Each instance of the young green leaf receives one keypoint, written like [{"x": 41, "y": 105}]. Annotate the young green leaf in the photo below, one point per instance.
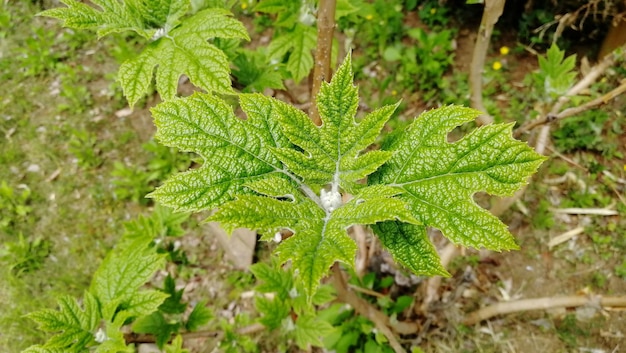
[
  {"x": 75, "y": 328},
  {"x": 556, "y": 73},
  {"x": 115, "y": 16},
  {"x": 184, "y": 50},
  {"x": 299, "y": 43},
  {"x": 157, "y": 325},
  {"x": 309, "y": 331},
  {"x": 273, "y": 279},
  {"x": 176, "y": 346},
  {"x": 118, "y": 279},
  {"x": 273, "y": 311},
  {"x": 199, "y": 316},
  {"x": 333, "y": 152},
  {"x": 438, "y": 178}
]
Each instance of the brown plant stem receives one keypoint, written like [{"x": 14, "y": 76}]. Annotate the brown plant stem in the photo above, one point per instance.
[
  {"x": 543, "y": 304},
  {"x": 322, "y": 73},
  {"x": 492, "y": 12},
  {"x": 321, "y": 68}
]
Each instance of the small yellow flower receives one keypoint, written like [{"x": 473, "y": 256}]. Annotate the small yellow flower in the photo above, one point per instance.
[
  {"x": 625, "y": 167},
  {"x": 369, "y": 17},
  {"x": 433, "y": 11},
  {"x": 504, "y": 50},
  {"x": 394, "y": 93},
  {"x": 244, "y": 6},
  {"x": 496, "y": 65}
]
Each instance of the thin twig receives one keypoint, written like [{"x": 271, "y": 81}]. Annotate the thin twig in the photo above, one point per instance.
[
  {"x": 321, "y": 69},
  {"x": 573, "y": 110},
  {"x": 491, "y": 14},
  {"x": 542, "y": 304}
]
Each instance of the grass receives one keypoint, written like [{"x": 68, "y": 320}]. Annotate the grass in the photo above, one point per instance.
[{"x": 58, "y": 136}]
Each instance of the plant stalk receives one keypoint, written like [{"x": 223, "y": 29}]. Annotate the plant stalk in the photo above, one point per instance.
[
  {"x": 322, "y": 73},
  {"x": 321, "y": 68},
  {"x": 491, "y": 14}
]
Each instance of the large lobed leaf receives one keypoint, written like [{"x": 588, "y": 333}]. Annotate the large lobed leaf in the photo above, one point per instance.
[
  {"x": 439, "y": 179},
  {"x": 265, "y": 173},
  {"x": 113, "y": 16},
  {"x": 235, "y": 152}
]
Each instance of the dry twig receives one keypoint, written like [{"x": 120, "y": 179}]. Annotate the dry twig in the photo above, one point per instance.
[{"x": 542, "y": 304}]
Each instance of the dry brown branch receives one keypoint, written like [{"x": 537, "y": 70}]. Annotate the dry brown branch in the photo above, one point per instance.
[
  {"x": 543, "y": 304},
  {"x": 321, "y": 68},
  {"x": 491, "y": 14},
  {"x": 573, "y": 110}
]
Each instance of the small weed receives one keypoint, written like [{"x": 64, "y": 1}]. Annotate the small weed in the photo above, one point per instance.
[
  {"x": 569, "y": 332},
  {"x": 621, "y": 270},
  {"x": 423, "y": 64},
  {"x": 433, "y": 14},
  {"x": 24, "y": 255},
  {"x": 599, "y": 280},
  {"x": 542, "y": 217},
  {"x": 353, "y": 332},
  {"x": 14, "y": 206},
  {"x": 83, "y": 146}
]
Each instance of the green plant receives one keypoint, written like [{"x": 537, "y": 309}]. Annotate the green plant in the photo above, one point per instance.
[
  {"x": 621, "y": 270},
  {"x": 24, "y": 255},
  {"x": 84, "y": 146},
  {"x": 277, "y": 172},
  {"x": 176, "y": 47},
  {"x": 13, "y": 205},
  {"x": 556, "y": 74},
  {"x": 353, "y": 333},
  {"x": 288, "y": 308},
  {"x": 424, "y": 63},
  {"x": 433, "y": 14},
  {"x": 258, "y": 178}
]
